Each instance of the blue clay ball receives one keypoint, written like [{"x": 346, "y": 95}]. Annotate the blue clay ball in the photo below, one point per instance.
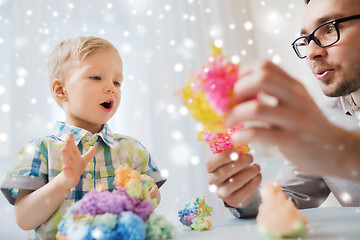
[
  {"x": 81, "y": 233},
  {"x": 131, "y": 226},
  {"x": 105, "y": 233}
]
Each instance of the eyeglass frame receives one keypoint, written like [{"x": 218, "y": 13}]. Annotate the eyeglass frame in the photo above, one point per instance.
[{"x": 311, "y": 36}]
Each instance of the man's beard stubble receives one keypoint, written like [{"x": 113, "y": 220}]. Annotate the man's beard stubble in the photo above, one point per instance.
[{"x": 350, "y": 83}]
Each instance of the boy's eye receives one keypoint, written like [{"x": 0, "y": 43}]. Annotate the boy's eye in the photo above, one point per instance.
[
  {"x": 96, "y": 78},
  {"x": 117, "y": 84}
]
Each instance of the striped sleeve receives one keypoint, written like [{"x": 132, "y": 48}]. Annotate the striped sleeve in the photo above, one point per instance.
[{"x": 30, "y": 171}]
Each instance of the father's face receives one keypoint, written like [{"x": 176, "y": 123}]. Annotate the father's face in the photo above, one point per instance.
[{"x": 338, "y": 66}]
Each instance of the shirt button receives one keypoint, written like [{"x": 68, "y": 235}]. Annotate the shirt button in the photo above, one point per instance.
[{"x": 88, "y": 176}]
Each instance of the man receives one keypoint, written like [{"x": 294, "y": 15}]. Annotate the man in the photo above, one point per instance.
[{"x": 296, "y": 125}]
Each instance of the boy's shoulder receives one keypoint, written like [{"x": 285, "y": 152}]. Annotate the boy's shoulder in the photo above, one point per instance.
[
  {"x": 43, "y": 141},
  {"x": 121, "y": 138},
  {"x": 45, "y": 138},
  {"x": 39, "y": 146}
]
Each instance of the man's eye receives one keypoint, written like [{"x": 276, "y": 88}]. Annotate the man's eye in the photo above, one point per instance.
[
  {"x": 330, "y": 29},
  {"x": 96, "y": 78}
]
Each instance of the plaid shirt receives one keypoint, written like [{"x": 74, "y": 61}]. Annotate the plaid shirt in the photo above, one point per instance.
[{"x": 39, "y": 162}]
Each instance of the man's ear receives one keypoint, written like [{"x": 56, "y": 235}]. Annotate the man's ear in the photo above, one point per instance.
[{"x": 58, "y": 90}]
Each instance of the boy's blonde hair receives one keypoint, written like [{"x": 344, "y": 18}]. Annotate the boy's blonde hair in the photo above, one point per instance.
[{"x": 69, "y": 51}]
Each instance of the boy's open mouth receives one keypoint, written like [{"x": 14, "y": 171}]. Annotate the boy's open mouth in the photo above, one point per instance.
[{"x": 107, "y": 104}]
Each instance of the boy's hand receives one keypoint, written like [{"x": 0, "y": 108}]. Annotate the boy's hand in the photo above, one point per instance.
[
  {"x": 74, "y": 163},
  {"x": 155, "y": 194}
]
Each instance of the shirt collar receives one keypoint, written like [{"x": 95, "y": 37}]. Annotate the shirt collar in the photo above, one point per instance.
[
  {"x": 61, "y": 130},
  {"x": 349, "y": 105}
]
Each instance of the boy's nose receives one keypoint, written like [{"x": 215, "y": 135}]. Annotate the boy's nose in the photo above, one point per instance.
[{"x": 109, "y": 88}]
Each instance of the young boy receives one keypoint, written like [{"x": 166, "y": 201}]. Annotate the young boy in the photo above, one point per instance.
[{"x": 54, "y": 171}]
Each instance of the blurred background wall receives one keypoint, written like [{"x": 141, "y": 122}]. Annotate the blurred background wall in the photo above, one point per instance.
[{"x": 161, "y": 43}]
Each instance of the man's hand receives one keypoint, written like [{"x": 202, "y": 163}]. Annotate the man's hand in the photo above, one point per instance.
[
  {"x": 235, "y": 180},
  {"x": 296, "y": 126},
  {"x": 73, "y": 163}
]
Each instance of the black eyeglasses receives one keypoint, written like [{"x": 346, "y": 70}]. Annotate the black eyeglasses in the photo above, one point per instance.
[{"x": 324, "y": 35}]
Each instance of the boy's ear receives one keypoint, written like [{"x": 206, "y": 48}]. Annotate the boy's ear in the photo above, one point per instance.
[{"x": 58, "y": 90}]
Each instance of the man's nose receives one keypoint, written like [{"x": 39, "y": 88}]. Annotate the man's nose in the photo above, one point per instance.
[{"x": 315, "y": 51}]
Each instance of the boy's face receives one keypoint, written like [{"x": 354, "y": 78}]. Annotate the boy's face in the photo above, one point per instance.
[
  {"x": 336, "y": 67},
  {"x": 93, "y": 90}
]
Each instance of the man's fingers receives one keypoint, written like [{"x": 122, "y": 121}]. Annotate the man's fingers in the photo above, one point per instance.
[
  {"x": 268, "y": 136},
  {"x": 238, "y": 181},
  {"x": 243, "y": 196},
  {"x": 269, "y": 78},
  {"x": 226, "y": 171},
  {"x": 254, "y": 110},
  {"x": 219, "y": 159}
]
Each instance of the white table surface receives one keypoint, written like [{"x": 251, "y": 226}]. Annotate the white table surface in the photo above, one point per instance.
[{"x": 323, "y": 224}]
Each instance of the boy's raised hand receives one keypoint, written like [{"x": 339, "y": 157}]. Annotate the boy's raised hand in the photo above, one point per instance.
[{"x": 74, "y": 163}]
